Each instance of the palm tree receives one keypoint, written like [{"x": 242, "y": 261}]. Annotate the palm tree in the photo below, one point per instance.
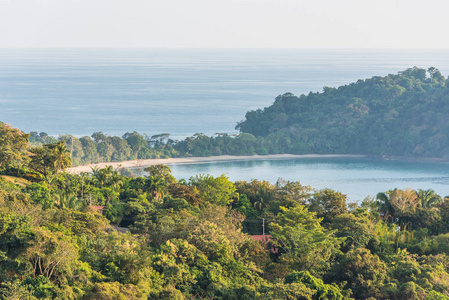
[
  {"x": 258, "y": 205},
  {"x": 104, "y": 175},
  {"x": 157, "y": 186},
  {"x": 428, "y": 197},
  {"x": 384, "y": 203},
  {"x": 261, "y": 194},
  {"x": 398, "y": 204},
  {"x": 109, "y": 194},
  {"x": 68, "y": 201},
  {"x": 61, "y": 156},
  {"x": 116, "y": 181},
  {"x": 75, "y": 203}
]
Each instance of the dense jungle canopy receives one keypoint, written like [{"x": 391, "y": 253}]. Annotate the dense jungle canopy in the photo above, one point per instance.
[
  {"x": 399, "y": 115},
  {"x": 104, "y": 235}
]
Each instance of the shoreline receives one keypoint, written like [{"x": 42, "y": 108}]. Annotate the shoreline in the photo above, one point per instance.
[{"x": 142, "y": 163}]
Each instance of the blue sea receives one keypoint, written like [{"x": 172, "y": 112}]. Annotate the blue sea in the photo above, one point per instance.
[
  {"x": 188, "y": 91},
  {"x": 356, "y": 177},
  {"x": 176, "y": 91}
]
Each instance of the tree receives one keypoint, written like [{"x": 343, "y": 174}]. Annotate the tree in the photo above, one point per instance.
[
  {"x": 158, "y": 139},
  {"x": 50, "y": 158},
  {"x": 52, "y": 254},
  {"x": 99, "y": 137},
  {"x": 41, "y": 194},
  {"x": 75, "y": 147},
  {"x": 259, "y": 193},
  {"x": 89, "y": 150},
  {"x": 116, "y": 181},
  {"x": 291, "y": 193},
  {"x": 13, "y": 147},
  {"x": 217, "y": 190},
  {"x": 136, "y": 142},
  {"x": 356, "y": 229},
  {"x": 321, "y": 290},
  {"x": 61, "y": 156},
  {"x": 162, "y": 171},
  {"x": 103, "y": 175},
  {"x": 384, "y": 205},
  {"x": 186, "y": 192},
  {"x": 16, "y": 236},
  {"x": 428, "y": 198},
  {"x": 399, "y": 205},
  {"x": 364, "y": 273},
  {"x": 328, "y": 204},
  {"x": 305, "y": 244},
  {"x": 156, "y": 186}
]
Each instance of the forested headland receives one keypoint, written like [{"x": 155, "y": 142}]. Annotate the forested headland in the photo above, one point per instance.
[
  {"x": 395, "y": 115},
  {"x": 402, "y": 115},
  {"x": 61, "y": 235}
]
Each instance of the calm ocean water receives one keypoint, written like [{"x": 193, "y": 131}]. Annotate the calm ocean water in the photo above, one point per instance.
[
  {"x": 356, "y": 177},
  {"x": 183, "y": 92}
]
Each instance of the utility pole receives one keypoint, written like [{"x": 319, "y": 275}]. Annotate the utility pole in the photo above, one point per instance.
[
  {"x": 71, "y": 149},
  {"x": 263, "y": 226}
]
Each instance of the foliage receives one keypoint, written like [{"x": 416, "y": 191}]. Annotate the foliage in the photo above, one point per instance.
[
  {"x": 356, "y": 228},
  {"x": 303, "y": 242},
  {"x": 328, "y": 204},
  {"x": 13, "y": 147},
  {"x": 400, "y": 115},
  {"x": 217, "y": 190},
  {"x": 102, "y": 235},
  {"x": 364, "y": 273},
  {"x": 321, "y": 290}
]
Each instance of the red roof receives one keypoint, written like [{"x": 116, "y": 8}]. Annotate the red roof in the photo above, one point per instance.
[
  {"x": 265, "y": 239},
  {"x": 262, "y": 238},
  {"x": 95, "y": 207}
]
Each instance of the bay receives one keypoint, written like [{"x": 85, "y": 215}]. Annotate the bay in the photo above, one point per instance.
[
  {"x": 185, "y": 91},
  {"x": 179, "y": 91},
  {"x": 356, "y": 177}
]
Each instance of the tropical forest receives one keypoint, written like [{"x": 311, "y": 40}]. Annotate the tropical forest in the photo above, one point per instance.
[{"x": 121, "y": 234}]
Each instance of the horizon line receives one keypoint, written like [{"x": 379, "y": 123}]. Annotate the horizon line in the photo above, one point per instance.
[{"x": 225, "y": 48}]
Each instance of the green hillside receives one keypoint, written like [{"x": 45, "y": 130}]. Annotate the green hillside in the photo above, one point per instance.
[{"x": 401, "y": 115}]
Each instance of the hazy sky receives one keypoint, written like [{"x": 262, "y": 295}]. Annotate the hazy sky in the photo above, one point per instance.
[{"x": 225, "y": 23}]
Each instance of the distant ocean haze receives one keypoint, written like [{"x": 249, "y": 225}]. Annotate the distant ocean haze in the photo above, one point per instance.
[{"x": 182, "y": 91}]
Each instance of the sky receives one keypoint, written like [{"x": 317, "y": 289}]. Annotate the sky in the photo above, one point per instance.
[{"x": 224, "y": 24}]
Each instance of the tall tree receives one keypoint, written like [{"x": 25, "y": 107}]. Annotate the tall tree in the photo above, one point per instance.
[
  {"x": 428, "y": 198},
  {"x": 305, "y": 244},
  {"x": 103, "y": 176},
  {"x": 218, "y": 190},
  {"x": 157, "y": 186},
  {"x": 13, "y": 147},
  {"x": 50, "y": 159},
  {"x": 328, "y": 204},
  {"x": 61, "y": 156}
]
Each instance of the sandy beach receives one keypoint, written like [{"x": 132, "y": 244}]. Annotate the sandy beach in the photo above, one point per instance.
[{"x": 142, "y": 163}]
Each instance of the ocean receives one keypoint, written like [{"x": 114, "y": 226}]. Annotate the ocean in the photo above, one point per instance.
[
  {"x": 188, "y": 91},
  {"x": 357, "y": 178},
  {"x": 176, "y": 91}
]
